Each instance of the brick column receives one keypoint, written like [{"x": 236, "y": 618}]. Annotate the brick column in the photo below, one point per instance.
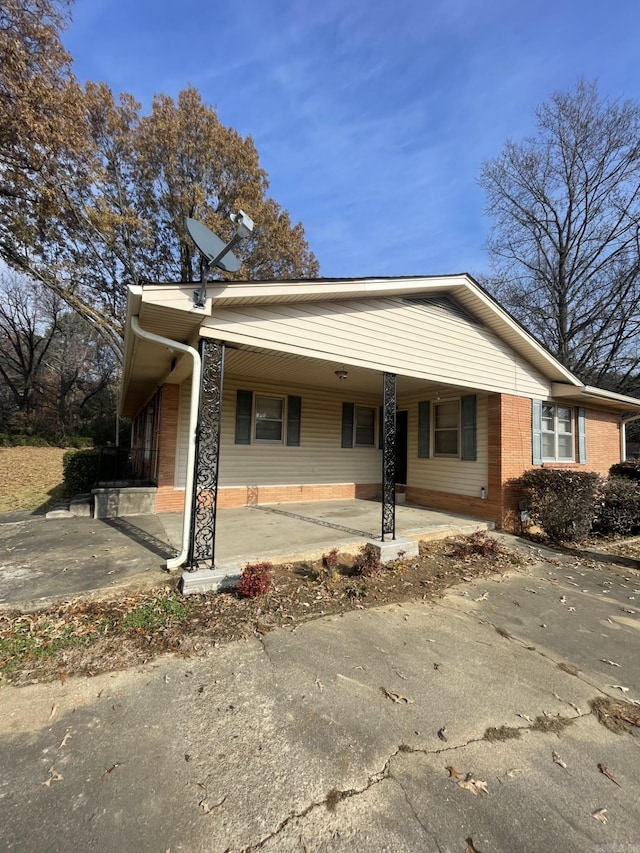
[{"x": 510, "y": 455}]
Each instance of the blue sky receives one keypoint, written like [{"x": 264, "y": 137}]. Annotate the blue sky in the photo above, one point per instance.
[{"x": 371, "y": 118}]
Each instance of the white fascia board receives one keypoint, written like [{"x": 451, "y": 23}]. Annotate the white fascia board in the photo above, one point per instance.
[
  {"x": 134, "y": 301},
  {"x": 589, "y": 393}
]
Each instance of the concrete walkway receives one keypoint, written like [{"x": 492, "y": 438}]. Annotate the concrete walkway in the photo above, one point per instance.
[
  {"x": 42, "y": 559},
  {"x": 287, "y": 742}
]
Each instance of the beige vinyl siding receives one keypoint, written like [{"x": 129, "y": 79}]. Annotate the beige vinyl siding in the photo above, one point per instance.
[
  {"x": 319, "y": 459},
  {"x": 445, "y": 474},
  {"x": 385, "y": 334},
  {"x": 183, "y": 433}
]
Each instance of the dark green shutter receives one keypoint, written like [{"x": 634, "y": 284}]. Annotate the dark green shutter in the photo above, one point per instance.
[
  {"x": 244, "y": 404},
  {"x": 347, "y": 424},
  {"x": 424, "y": 429},
  {"x": 582, "y": 436},
  {"x": 469, "y": 429},
  {"x": 537, "y": 431},
  {"x": 294, "y": 405}
]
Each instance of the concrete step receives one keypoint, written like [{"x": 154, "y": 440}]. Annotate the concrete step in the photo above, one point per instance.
[{"x": 80, "y": 506}]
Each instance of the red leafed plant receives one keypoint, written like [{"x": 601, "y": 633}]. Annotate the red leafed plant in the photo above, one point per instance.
[{"x": 256, "y": 580}]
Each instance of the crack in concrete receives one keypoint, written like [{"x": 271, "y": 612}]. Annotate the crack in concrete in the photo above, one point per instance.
[
  {"x": 375, "y": 779},
  {"x": 413, "y": 811},
  {"x": 581, "y": 676}
]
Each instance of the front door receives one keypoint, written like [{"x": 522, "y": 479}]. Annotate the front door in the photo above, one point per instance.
[{"x": 402, "y": 433}]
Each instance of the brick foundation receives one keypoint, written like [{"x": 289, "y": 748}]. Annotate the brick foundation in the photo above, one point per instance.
[
  {"x": 169, "y": 499},
  {"x": 447, "y": 502}
]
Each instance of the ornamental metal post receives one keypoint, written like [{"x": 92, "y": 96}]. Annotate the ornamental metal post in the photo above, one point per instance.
[
  {"x": 205, "y": 481},
  {"x": 388, "y": 456}
]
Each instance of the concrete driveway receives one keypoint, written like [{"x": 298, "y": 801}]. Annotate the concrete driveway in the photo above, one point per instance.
[{"x": 294, "y": 741}]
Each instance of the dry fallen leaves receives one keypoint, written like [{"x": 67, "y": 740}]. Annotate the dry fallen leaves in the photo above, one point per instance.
[
  {"x": 600, "y": 814},
  {"x": 473, "y": 785},
  {"x": 453, "y": 773},
  {"x": 442, "y": 733},
  {"x": 605, "y": 772},
  {"x": 53, "y": 777},
  {"x": 470, "y": 848},
  {"x": 396, "y": 697},
  {"x": 558, "y": 760},
  {"x": 207, "y": 809},
  {"x": 109, "y": 770}
]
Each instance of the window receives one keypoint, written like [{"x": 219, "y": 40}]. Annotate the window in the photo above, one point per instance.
[
  {"x": 365, "y": 426},
  {"x": 268, "y": 419},
  {"x": 358, "y": 426},
  {"x": 263, "y": 419},
  {"x": 557, "y": 431},
  {"x": 446, "y": 421},
  {"x": 148, "y": 430}
]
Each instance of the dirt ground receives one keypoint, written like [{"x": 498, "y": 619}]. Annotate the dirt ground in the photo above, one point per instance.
[{"x": 30, "y": 477}]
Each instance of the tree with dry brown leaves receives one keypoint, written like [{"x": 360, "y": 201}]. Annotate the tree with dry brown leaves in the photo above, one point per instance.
[{"x": 93, "y": 195}]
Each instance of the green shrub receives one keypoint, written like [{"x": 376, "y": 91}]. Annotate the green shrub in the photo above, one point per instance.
[
  {"x": 80, "y": 442},
  {"x": 619, "y": 511},
  {"x": 80, "y": 470},
  {"x": 562, "y": 502},
  {"x": 629, "y": 470},
  {"x": 16, "y": 440}
]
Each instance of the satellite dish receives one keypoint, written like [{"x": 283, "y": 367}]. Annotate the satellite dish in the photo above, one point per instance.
[
  {"x": 212, "y": 246},
  {"x": 216, "y": 253}
]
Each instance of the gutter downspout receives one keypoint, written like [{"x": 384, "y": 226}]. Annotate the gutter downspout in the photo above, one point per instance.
[
  {"x": 181, "y": 558},
  {"x": 623, "y": 435}
]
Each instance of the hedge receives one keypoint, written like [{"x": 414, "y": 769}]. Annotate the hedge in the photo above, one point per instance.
[{"x": 562, "y": 502}]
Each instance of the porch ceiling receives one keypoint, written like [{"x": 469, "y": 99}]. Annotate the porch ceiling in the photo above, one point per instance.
[{"x": 295, "y": 370}]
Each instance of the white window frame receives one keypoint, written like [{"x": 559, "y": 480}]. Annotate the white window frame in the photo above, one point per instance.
[
  {"x": 435, "y": 429},
  {"x": 371, "y": 409},
  {"x": 254, "y": 419},
  {"x": 556, "y": 433}
]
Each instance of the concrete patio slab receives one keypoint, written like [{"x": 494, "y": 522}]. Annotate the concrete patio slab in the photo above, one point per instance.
[{"x": 43, "y": 559}]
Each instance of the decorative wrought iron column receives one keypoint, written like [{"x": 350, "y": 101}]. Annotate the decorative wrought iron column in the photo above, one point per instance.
[
  {"x": 388, "y": 456},
  {"x": 205, "y": 481}
]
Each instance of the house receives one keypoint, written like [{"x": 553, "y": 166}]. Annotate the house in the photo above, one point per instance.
[{"x": 317, "y": 390}]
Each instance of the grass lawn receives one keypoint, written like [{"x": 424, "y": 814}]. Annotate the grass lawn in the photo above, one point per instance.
[{"x": 30, "y": 477}]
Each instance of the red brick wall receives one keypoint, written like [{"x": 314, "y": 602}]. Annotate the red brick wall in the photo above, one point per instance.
[
  {"x": 510, "y": 428},
  {"x": 168, "y": 499},
  {"x": 603, "y": 441}
]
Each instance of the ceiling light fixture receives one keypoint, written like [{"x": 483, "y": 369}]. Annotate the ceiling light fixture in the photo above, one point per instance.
[{"x": 342, "y": 374}]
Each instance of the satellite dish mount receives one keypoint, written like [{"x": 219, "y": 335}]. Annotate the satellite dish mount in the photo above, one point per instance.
[{"x": 213, "y": 250}]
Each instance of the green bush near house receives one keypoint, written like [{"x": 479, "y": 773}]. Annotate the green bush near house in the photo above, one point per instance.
[
  {"x": 80, "y": 470},
  {"x": 619, "y": 510},
  {"x": 563, "y": 503},
  {"x": 629, "y": 470}
]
